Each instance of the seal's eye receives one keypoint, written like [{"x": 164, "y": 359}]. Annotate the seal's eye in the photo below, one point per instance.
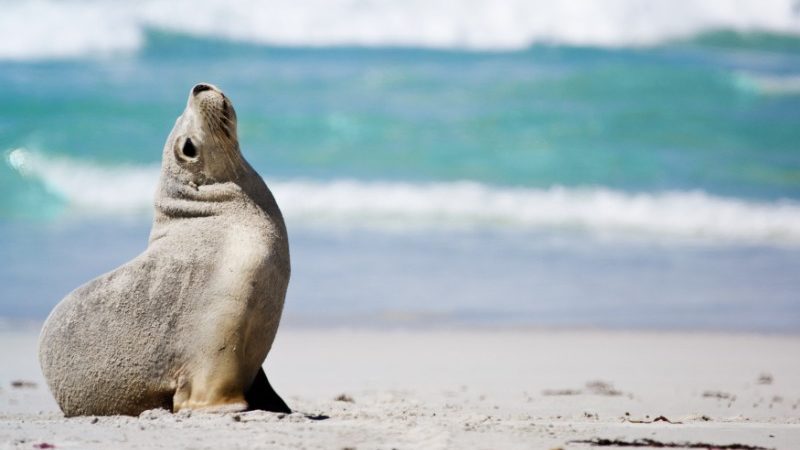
[{"x": 189, "y": 150}]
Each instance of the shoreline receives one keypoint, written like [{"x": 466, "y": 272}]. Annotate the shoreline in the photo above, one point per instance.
[{"x": 293, "y": 324}]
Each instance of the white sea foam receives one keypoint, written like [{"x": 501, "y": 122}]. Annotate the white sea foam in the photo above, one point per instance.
[
  {"x": 88, "y": 188},
  {"x": 95, "y": 190},
  {"x": 55, "y": 28}
]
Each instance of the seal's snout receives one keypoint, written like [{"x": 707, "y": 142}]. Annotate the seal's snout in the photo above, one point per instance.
[
  {"x": 209, "y": 106},
  {"x": 198, "y": 88}
]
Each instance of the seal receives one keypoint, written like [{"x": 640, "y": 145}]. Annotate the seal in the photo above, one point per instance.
[{"x": 188, "y": 323}]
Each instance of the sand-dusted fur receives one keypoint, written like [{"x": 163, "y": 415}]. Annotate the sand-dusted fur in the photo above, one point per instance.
[{"x": 189, "y": 322}]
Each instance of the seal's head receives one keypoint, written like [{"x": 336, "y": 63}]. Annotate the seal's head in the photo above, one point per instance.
[{"x": 203, "y": 147}]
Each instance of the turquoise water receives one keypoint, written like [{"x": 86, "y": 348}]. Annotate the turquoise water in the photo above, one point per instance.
[
  {"x": 677, "y": 163},
  {"x": 723, "y": 119}
]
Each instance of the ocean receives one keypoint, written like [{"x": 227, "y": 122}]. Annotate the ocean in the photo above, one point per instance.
[{"x": 619, "y": 164}]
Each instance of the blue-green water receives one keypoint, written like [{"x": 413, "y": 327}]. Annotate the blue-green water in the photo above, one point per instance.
[
  {"x": 671, "y": 168},
  {"x": 723, "y": 119}
]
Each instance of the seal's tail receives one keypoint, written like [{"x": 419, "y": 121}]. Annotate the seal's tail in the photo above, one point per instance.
[{"x": 262, "y": 396}]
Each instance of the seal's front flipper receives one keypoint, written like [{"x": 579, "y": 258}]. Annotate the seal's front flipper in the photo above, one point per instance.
[{"x": 262, "y": 396}]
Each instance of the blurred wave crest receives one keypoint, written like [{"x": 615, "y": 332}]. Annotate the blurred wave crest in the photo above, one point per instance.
[
  {"x": 92, "y": 190},
  {"x": 89, "y": 27}
]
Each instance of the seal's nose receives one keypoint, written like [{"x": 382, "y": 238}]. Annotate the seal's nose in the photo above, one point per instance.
[{"x": 200, "y": 88}]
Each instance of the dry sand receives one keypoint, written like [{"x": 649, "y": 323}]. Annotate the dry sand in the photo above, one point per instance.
[{"x": 537, "y": 389}]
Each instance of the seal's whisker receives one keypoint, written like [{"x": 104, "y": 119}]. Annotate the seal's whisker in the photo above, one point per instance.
[
  {"x": 229, "y": 162},
  {"x": 226, "y": 127}
]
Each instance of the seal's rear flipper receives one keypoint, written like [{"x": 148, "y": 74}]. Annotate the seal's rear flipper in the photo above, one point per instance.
[{"x": 262, "y": 396}]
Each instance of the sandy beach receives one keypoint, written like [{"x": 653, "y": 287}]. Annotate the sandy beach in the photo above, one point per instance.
[{"x": 462, "y": 388}]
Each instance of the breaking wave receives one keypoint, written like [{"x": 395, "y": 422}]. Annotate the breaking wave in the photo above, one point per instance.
[
  {"x": 41, "y": 29},
  {"x": 401, "y": 206}
]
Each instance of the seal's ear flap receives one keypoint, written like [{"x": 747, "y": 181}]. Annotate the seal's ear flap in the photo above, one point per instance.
[{"x": 262, "y": 396}]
